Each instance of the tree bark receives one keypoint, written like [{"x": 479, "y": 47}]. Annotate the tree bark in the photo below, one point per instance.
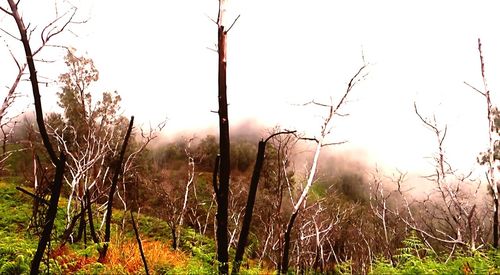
[
  {"x": 286, "y": 248},
  {"x": 174, "y": 236},
  {"x": 252, "y": 194},
  {"x": 224, "y": 148},
  {"x": 91, "y": 219},
  {"x": 51, "y": 215},
  {"x": 69, "y": 229},
  {"x": 491, "y": 150},
  {"x": 114, "y": 181},
  {"x": 495, "y": 223},
  {"x": 137, "y": 237},
  {"x": 81, "y": 226},
  {"x": 247, "y": 219}
]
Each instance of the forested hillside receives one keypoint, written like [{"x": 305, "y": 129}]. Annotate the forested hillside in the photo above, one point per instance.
[{"x": 86, "y": 189}]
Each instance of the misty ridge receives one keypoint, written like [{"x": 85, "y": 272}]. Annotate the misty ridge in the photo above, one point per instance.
[{"x": 344, "y": 170}]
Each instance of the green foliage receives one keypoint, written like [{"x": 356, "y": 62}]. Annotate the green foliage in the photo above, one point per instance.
[
  {"x": 98, "y": 268},
  {"x": 83, "y": 112},
  {"x": 251, "y": 271},
  {"x": 15, "y": 254},
  {"x": 343, "y": 268},
  {"x": 414, "y": 258},
  {"x": 152, "y": 228},
  {"x": 209, "y": 148},
  {"x": 483, "y": 157},
  {"x": 15, "y": 215},
  {"x": 14, "y": 164},
  {"x": 351, "y": 186},
  {"x": 243, "y": 154},
  {"x": 93, "y": 268},
  {"x": 318, "y": 191},
  {"x": 200, "y": 246},
  {"x": 195, "y": 266},
  {"x": 173, "y": 156},
  {"x": 17, "y": 248},
  {"x": 203, "y": 260},
  {"x": 413, "y": 249}
]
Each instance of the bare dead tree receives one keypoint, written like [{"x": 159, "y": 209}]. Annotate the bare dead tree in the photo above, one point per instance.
[
  {"x": 222, "y": 186},
  {"x": 489, "y": 158},
  {"x": 130, "y": 165},
  {"x": 252, "y": 193},
  {"x": 236, "y": 212},
  {"x": 178, "y": 220},
  {"x": 86, "y": 166},
  {"x": 109, "y": 207},
  {"x": 326, "y": 128},
  {"x": 50, "y": 30},
  {"x": 449, "y": 214},
  {"x": 321, "y": 229},
  {"x": 279, "y": 172},
  {"x": 380, "y": 202},
  {"x": 177, "y": 193}
]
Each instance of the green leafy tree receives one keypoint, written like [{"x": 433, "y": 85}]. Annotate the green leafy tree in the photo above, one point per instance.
[{"x": 89, "y": 131}]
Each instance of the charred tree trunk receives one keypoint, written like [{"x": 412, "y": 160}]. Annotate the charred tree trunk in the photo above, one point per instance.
[
  {"x": 81, "y": 226},
  {"x": 286, "y": 248},
  {"x": 59, "y": 163},
  {"x": 91, "y": 219},
  {"x": 51, "y": 215},
  {"x": 247, "y": 219},
  {"x": 252, "y": 194},
  {"x": 114, "y": 181},
  {"x": 495, "y": 223},
  {"x": 69, "y": 230},
  {"x": 174, "y": 237},
  {"x": 224, "y": 149},
  {"x": 137, "y": 237}
]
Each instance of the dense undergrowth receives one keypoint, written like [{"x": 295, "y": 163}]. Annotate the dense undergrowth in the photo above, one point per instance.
[
  {"x": 195, "y": 256},
  {"x": 415, "y": 258},
  {"x": 18, "y": 245}
]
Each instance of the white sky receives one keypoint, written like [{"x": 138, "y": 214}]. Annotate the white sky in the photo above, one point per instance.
[{"x": 284, "y": 52}]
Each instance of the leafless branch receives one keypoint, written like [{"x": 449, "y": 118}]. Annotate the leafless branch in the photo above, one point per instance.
[
  {"x": 6, "y": 11},
  {"x": 475, "y": 89},
  {"x": 234, "y": 22},
  {"x": 285, "y": 132}
]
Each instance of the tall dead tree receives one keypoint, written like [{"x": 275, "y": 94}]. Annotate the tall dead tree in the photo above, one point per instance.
[
  {"x": 489, "y": 156},
  {"x": 222, "y": 190},
  {"x": 321, "y": 141},
  {"x": 52, "y": 29}
]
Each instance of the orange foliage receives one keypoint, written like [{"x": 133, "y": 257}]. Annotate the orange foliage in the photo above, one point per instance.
[
  {"x": 126, "y": 254},
  {"x": 157, "y": 254},
  {"x": 70, "y": 259}
]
